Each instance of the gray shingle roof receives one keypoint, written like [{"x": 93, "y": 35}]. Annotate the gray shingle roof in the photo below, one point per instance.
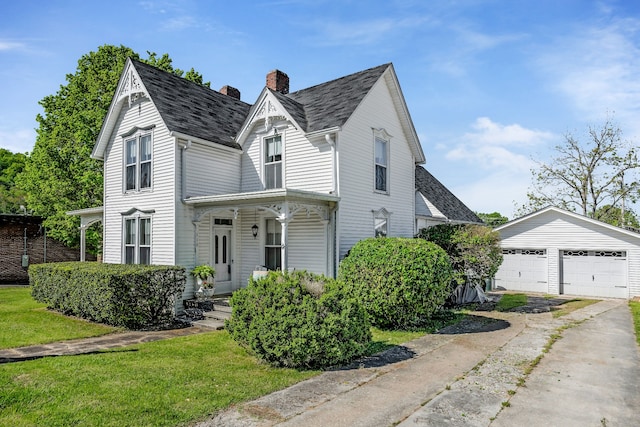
[
  {"x": 442, "y": 198},
  {"x": 331, "y": 104},
  {"x": 198, "y": 111},
  {"x": 192, "y": 109}
]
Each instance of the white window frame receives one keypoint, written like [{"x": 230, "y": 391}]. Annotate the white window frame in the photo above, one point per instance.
[
  {"x": 275, "y": 244},
  {"x": 136, "y": 243},
  {"x": 137, "y": 137},
  {"x": 381, "y": 223},
  {"x": 381, "y": 161},
  {"x": 269, "y": 164}
]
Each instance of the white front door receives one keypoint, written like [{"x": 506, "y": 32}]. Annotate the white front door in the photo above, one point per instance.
[{"x": 222, "y": 260}]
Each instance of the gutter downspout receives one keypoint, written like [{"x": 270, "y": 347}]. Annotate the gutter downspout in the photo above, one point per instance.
[
  {"x": 183, "y": 169},
  {"x": 335, "y": 189},
  {"x": 183, "y": 196}
]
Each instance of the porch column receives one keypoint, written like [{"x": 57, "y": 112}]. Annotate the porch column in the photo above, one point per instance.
[
  {"x": 284, "y": 224},
  {"x": 83, "y": 244},
  {"x": 328, "y": 251}
]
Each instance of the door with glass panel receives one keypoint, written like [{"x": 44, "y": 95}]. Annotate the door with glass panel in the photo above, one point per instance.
[{"x": 222, "y": 260}]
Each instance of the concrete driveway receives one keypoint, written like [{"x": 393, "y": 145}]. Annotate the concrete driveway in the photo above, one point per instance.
[{"x": 590, "y": 377}]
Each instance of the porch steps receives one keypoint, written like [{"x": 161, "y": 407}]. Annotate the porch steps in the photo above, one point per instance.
[{"x": 215, "y": 319}]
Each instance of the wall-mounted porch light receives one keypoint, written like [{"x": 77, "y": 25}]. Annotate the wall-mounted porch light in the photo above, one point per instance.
[{"x": 254, "y": 227}]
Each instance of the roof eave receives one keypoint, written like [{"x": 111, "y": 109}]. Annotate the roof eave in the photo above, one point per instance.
[
  {"x": 570, "y": 214},
  {"x": 408, "y": 126}
]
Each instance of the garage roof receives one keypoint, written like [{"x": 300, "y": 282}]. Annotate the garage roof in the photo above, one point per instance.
[{"x": 569, "y": 214}]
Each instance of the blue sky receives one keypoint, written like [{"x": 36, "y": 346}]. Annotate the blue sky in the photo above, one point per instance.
[{"x": 490, "y": 85}]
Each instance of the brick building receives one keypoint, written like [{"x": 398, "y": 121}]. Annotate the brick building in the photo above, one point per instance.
[{"x": 24, "y": 235}]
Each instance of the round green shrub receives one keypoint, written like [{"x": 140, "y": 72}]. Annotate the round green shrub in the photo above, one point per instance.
[
  {"x": 299, "y": 320},
  {"x": 401, "y": 282}
]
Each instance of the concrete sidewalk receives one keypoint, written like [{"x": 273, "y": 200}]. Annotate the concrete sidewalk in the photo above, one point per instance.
[{"x": 454, "y": 380}]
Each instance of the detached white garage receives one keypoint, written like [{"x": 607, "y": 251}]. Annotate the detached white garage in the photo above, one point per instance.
[{"x": 560, "y": 252}]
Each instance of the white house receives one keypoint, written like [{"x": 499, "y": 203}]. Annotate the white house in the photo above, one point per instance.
[
  {"x": 560, "y": 252},
  {"x": 195, "y": 176}
]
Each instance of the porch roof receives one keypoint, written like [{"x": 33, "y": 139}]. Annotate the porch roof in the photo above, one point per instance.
[{"x": 259, "y": 197}]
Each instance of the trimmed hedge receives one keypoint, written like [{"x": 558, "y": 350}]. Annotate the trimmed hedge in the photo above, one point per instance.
[
  {"x": 299, "y": 320},
  {"x": 401, "y": 282},
  {"x": 133, "y": 296}
]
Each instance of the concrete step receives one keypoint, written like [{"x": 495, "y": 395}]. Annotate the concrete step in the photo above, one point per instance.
[
  {"x": 210, "y": 323},
  {"x": 221, "y": 307},
  {"x": 217, "y": 315}
]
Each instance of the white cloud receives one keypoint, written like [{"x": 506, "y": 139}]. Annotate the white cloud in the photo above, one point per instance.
[
  {"x": 9, "y": 45},
  {"x": 18, "y": 140},
  {"x": 499, "y": 191},
  {"x": 180, "y": 23},
  {"x": 492, "y": 145},
  {"x": 494, "y": 163},
  {"x": 340, "y": 33}
]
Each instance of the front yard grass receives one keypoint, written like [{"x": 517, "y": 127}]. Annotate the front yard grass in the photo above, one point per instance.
[
  {"x": 24, "y": 322},
  {"x": 509, "y": 301},
  {"x": 635, "y": 312},
  {"x": 165, "y": 383},
  {"x": 571, "y": 305}
]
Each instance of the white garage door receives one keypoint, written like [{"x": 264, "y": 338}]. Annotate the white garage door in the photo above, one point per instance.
[
  {"x": 523, "y": 270},
  {"x": 594, "y": 273}
]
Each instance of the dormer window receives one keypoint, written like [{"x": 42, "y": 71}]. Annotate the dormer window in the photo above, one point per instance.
[
  {"x": 138, "y": 154},
  {"x": 273, "y": 162}
]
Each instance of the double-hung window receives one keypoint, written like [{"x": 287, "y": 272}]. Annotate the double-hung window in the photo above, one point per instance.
[
  {"x": 273, "y": 162},
  {"x": 138, "y": 154},
  {"x": 137, "y": 240},
  {"x": 273, "y": 245},
  {"x": 381, "y": 164}
]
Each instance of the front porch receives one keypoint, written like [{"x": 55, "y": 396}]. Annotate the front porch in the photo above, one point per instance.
[{"x": 274, "y": 230}]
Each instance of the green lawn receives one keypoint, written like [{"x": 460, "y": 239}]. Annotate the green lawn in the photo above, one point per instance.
[
  {"x": 635, "y": 311},
  {"x": 509, "y": 301},
  {"x": 571, "y": 305},
  {"x": 23, "y": 322},
  {"x": 165, "y": 383}
]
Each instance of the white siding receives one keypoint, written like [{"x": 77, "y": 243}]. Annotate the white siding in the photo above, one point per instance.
[
  {"x": 356, "y": 169},
  {"x": 307, "y": 165},
  {"x": 161, "y": 198},
  {"x": 553, "y": 257},
  {"x": 251, "y": 164},
  {"x": 307, "y": 244},
  {"x": 557, "y": 232},
  {"x": 212, "y": 171},
  {"x": 250, "y": 252}
]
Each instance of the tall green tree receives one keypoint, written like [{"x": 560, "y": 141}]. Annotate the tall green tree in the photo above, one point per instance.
[
  {"x": 59, "y": 175},
  {"x": 586, "y": 175},
  {"x": 617, "y": 216},
  {"x": 11, "y": 197},
  {"x": 492, "y": 219}
]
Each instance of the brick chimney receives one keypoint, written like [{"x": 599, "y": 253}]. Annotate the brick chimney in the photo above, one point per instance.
[
  {"x": 278, "y": 81},
  {"x": 230, "y": 91}
]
